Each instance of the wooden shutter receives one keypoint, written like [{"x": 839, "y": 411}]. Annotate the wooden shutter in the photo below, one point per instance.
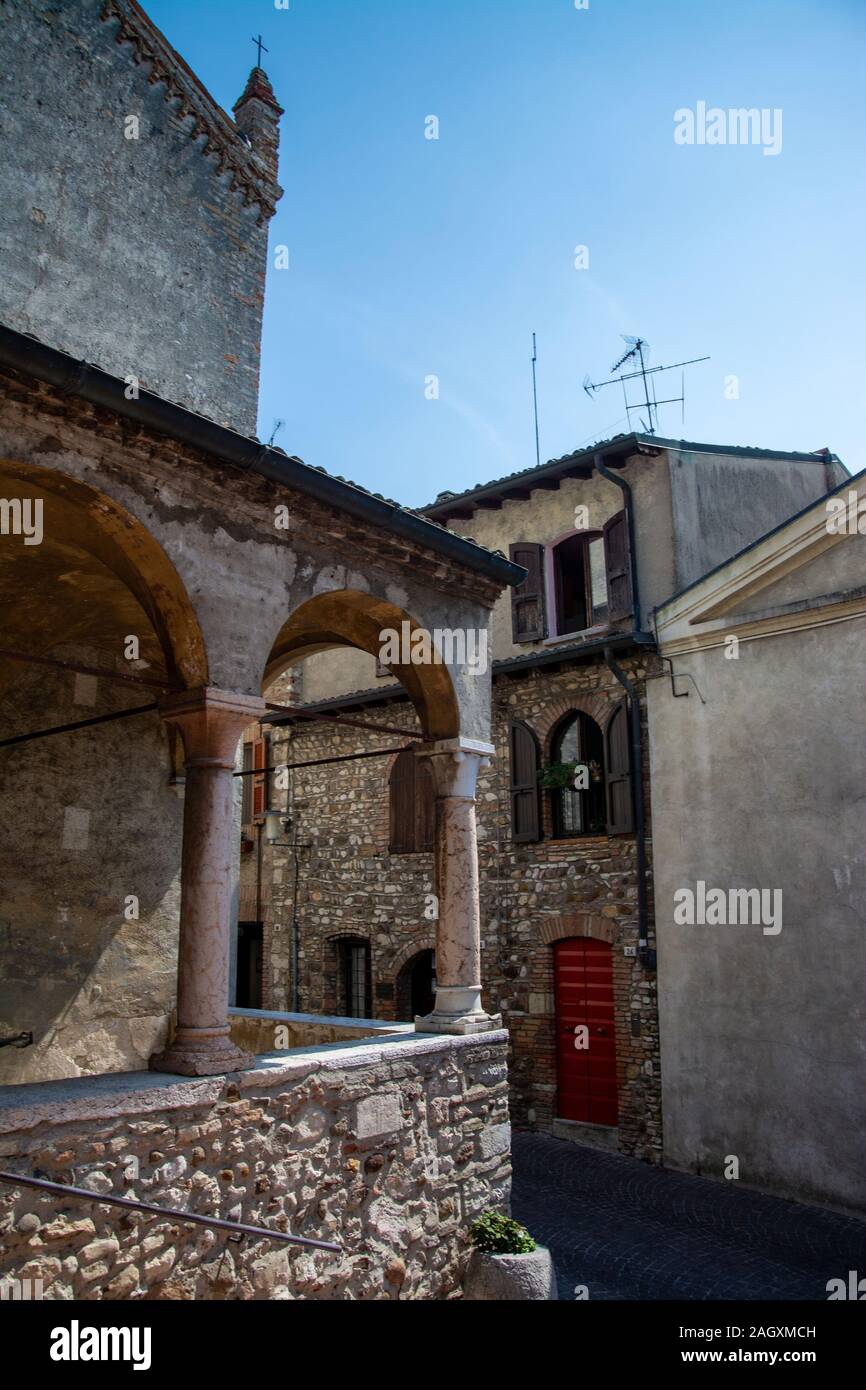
[
  {"x": 402, "y": 797},
  {"x": 617, "y": 567},
  {"x": 247, "y": 802},
  {"x": 525, "y": 820},
  {"x": 620, "y": 820},
  {"x": 425, "y": 804},
  {"x": 528, "y": 620},
  {"x": 260, "y": 778}
]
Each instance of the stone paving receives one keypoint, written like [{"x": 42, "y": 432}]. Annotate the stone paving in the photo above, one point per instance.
[{"x": 629, "y": 1230}]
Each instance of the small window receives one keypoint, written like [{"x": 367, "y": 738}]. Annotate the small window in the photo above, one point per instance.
[
  {"x": 412, "y": 804},
  {"x": 581, "y": 810},
  {"x": 355, "y": 978},
  {"x": 580, "y": 583}
]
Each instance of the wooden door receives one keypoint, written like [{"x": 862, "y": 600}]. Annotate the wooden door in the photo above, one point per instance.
[{"x": 585, "y": 1031}]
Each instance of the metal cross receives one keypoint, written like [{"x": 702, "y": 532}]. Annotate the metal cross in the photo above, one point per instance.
[{"x": 260, "y": 46}]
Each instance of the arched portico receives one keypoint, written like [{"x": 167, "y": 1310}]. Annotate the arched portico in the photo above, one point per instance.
[{"x": 350, "y": 617}]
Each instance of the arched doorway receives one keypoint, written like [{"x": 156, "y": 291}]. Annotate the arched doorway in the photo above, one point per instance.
[
  {"x": 416, "y": 986},
  {"x": 585, "y": 1031}
]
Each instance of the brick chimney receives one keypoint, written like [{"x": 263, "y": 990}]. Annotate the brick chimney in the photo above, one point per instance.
[{"x": 257, "y": 113}]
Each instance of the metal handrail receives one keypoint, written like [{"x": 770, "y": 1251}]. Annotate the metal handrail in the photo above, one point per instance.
[{"x": 131, "y": 1204}]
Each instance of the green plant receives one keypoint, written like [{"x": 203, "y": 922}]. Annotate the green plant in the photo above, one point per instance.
[
  {"x": 496, "y": 1234},
  {"x": 553, "y": 777}
]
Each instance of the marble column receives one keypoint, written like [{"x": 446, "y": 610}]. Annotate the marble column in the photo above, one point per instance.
[
  {"x": 211, "y": 723},
  {"x": 456, "y": 764}
]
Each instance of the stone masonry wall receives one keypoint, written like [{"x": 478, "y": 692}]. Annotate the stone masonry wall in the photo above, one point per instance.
[
  {"x": 389, "y": 1150},
  {"x": 141, "y": 255},
  {"x": 349, "y": 884}
]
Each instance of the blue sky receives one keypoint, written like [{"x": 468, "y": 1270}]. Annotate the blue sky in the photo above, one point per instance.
[{"x": 411, "y": 258}]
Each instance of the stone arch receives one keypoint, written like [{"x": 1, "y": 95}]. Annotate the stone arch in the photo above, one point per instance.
[
  {"x": 599, "y": 706},
  {"x": 577, "y": 924},
  {"x": 97, "y": 575},
  {"x": 351, "y": 618},
  {"x": 403, "y": 981},
  {"x": 424, "y": 942}
]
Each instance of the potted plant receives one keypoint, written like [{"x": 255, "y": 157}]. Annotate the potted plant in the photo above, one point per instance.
[
  {"x": 554, "y": 777},
  {"x": 506, "y": 1265}
]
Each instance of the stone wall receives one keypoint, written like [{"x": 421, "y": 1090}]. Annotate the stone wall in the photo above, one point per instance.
[
  {"x": 261, "y": 1030},
  {"x": 389, "y": 1150},
  {"x": 350, "y": 885},
  {"x": 146, "y": 256}
]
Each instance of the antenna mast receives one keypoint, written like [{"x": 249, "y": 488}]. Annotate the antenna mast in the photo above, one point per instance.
[
  {"x": 638, "y": 352},
  {"x": 535, "y": 403}
]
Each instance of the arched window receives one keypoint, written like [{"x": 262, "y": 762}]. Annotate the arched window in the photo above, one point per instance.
[
  {"x": 578, "y": 750},
  {"x": 412, "y": 804},
  {"x": 354, "y": 991}
]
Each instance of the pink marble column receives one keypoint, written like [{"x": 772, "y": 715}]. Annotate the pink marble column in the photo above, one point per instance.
[
  {"x": 211, "y": 723},
  {"x": 456, "y": 763}
]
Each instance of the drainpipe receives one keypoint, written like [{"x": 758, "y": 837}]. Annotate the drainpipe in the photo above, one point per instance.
[
  {"x": 295, "y": 945},
  {"x": 625, "y": 489},
  {"x": 647, "y": 957}
]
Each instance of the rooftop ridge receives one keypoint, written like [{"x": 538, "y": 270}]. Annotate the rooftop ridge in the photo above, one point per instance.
[{"x": 445, "y": 500}]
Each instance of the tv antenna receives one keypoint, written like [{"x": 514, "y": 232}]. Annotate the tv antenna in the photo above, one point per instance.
[
  {"x": 535, "y": 403},
  {"x": 637, "y": 352}
]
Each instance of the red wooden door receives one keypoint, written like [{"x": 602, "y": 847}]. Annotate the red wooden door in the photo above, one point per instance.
[{"x": 586, "y": 1062}]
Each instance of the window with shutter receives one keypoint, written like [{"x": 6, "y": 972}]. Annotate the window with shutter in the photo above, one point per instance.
[
  {"x": 525, "y": 820},
  {"x": 261, "y": 777},
  {"x": 528, "y": 621},
  {"x": 618, "y": 568},
  {"x": 620, "y": 819},
  {"x": 247, "y": 799},
  {"x": 412, "y": 801},
  {"x": 579, "y": 810}
]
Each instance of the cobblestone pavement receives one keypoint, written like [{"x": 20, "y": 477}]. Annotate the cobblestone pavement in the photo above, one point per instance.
[{"x": 628, "y": 1230}]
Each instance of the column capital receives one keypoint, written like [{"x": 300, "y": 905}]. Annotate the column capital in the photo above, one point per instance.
[
  {"x": 456, "y": 763},
  {"x": 211, "y": 721}
]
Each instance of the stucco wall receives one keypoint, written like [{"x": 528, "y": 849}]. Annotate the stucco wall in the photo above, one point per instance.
[
  {"x": 137, "y": 255},
  {"x": 762, "y": 1036},
  {"x": 722, "y": 502},
  {"x": 90, "y": 819},
  {"x": 389, "y": 1150}
]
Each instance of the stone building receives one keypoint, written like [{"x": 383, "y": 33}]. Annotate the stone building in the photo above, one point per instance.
[
  {"x": 569, "y": 942},
  {"x": 160, "y": 571}
]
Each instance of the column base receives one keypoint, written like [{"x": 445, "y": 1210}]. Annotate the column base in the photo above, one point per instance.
[
  {"x": 441, "y": 1022},
  {"x": 205, "y": 1056}
]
